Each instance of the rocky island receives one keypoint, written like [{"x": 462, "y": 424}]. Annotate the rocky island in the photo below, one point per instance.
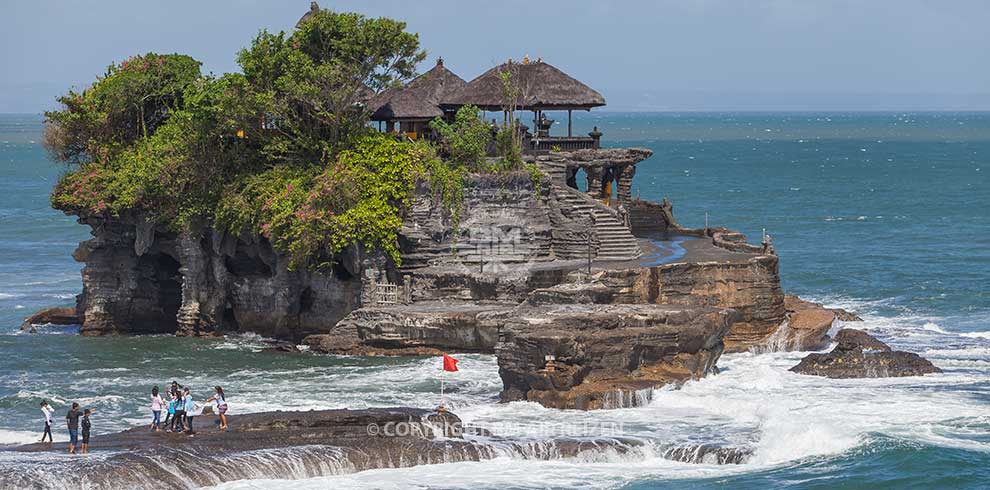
[
  {"x": 267, "y": 202},
  {"x": 438, "y": 232}
]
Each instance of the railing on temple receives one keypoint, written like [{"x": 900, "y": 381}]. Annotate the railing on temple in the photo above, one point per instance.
[{"x": 564, "y": 143}]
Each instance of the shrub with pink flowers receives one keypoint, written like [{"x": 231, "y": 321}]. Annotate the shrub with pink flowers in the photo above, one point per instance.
[{"x": 282, "y": 150}]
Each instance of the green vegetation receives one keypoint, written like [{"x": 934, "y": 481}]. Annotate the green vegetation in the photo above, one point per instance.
[
  {"x": 283, "y": 150},
  {"x": 466, "y": 139}
]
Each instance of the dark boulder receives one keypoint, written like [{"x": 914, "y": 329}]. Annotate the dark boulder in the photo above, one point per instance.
[{"x": 859, "y": 355}]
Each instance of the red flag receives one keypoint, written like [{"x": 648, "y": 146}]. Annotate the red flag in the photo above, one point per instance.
[{"x": 449, "y": 363}]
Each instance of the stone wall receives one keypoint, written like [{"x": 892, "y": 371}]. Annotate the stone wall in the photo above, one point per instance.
[
  {"x": 647, "y": 218},
  {"x": 511, "y": 229}
]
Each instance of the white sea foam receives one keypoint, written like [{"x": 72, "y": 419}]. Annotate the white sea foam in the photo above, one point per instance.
[
  {"x": 26, "y": 437},
  {"x": 755, "y": 404}
]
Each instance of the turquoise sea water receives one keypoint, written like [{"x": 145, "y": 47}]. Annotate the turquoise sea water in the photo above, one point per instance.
[{"x": 885, "y": 214}]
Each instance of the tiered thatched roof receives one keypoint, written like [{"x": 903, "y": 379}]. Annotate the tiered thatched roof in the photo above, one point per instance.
[
  {"x": 541, "y": 86},
  {"x": 419, "y": 99}
]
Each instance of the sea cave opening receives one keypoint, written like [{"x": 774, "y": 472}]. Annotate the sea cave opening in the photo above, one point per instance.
[{"x": 164, "y": 292}]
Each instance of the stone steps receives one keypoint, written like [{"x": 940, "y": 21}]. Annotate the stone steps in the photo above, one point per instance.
[{"x": 616, "y": 242}]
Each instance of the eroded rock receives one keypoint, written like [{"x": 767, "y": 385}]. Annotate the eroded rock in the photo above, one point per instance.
[
  {"x": 603, "y": 354},
  {"x": 860, "y": 355},
  {"x": 60, "y": 315},
  {"x": 416, "y": 329},
  {"x": 806, "y": 327}
]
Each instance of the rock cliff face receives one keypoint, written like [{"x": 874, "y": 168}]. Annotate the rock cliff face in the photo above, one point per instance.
[
  {"x": 603, "y": 354},
  {"x": 515, "y": 242},
  {"x": 140, "y": 278},
  {"x": 417, "y": 329},
  {"x": 750, "y": 286}
]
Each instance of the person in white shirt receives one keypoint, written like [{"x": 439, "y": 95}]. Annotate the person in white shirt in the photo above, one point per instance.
[
  {"x": 221, "y": 400},
  {"x": 156, "y": 410},
  {"x": 48, "y": 411}
]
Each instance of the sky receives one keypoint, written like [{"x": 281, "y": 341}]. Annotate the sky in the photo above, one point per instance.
[{"x": 659, "y": 55}]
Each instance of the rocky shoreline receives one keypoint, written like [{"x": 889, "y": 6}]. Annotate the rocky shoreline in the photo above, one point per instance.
[{"x": 296, "y": 445}]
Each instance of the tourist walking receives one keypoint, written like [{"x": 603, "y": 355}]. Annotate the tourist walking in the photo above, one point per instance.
[
  {"x": 48, "y": 412},
  {"x": 221, "y": 400},
  {"x": 86, "y": 426},
  {"x": 156, "y": 410},
  {"x": 190, "y": 410},
  {"x": 72, "y": 421},
  {"x": 178, "y": 421}
]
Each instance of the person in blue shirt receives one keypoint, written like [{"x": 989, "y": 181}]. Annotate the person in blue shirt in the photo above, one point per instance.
[
  {"x": 189, "y": 407},
  {"x": 178, "y": 421},
  {"x": 170, "y": 420}
]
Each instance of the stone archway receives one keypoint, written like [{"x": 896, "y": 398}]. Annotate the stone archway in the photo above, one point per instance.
[{"x": 578, "y": 178}]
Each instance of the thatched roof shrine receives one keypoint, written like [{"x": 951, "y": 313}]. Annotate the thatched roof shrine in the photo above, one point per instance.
[
  {"x": 419, "y": 99},
  {"x": 541, "y": 86}
]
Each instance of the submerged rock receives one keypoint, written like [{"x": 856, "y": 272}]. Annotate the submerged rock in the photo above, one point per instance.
[{"x": 859, "y": 355}]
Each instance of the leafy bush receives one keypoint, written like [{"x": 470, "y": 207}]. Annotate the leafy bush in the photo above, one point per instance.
[
  {"x": 129, "y": 102},
  {"x": 465, "y": 140},
  {"x": 313, "y": 213},
  {"x": 314, "y": 83}
]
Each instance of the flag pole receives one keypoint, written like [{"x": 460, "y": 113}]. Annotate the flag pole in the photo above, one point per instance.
[{"x": 441, "y": 383}]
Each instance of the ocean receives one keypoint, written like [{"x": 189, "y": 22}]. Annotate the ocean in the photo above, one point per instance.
[{"x": 885, "y": 214}]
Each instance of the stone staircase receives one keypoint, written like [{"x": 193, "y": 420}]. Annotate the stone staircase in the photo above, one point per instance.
[{"x": 615, "y": 241}]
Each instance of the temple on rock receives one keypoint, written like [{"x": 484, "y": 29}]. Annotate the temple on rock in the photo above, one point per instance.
[{"x": 584, "y": 292}]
